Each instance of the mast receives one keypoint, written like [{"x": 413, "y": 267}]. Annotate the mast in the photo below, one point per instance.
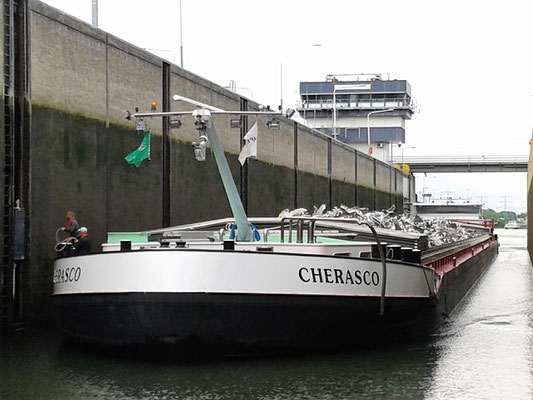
[{"x": 207, "y": 132}]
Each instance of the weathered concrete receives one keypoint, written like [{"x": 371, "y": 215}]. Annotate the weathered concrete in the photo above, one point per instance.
[
  {"x": 312, "y": 152},
  {"x": 365, "y": 170},
  {"x": 82, "y": 79},
  {"x": 530, "y": 202},
  {"x": 312, "y": 190},
  {"x": 342, "y": 161},
  {"x": 398, "y": 189},
  {"x": 270, "y": 187},
  {"x": 342, "y": 192},
  {"x": 275, "y": 147},
  {"x": 383, "y": 186}
]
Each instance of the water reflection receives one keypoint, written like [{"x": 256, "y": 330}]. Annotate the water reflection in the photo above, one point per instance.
[
  {"x": 33, "y": 370},
  {"x": 484, "y": 351}
]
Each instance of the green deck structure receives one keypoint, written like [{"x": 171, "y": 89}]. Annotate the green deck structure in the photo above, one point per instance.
[{"x": 116, "y": 237}]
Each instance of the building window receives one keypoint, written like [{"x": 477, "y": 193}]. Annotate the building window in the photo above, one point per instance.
[{"x": 356, "y": 99}]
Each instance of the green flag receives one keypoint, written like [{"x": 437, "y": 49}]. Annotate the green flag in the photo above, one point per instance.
[{"x": 141, "y": 153}]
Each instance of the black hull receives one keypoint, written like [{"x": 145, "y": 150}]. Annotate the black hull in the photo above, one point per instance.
[
  {"x": 200, "y": 323},
  {"x": 458, "y": 282},
  {"x": 239, "y": 323}
]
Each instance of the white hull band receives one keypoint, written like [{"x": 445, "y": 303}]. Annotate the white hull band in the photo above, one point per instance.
[{"x": 233, "y": 272}]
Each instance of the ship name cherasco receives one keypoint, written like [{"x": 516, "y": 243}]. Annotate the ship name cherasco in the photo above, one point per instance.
[
  {"x": 338, "y": 276},
  {"x": 69, "y": 274}
]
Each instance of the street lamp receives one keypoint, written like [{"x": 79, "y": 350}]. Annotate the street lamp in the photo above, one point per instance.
[
  {"x": 368, "y": 123},
  {"x": 95, "y": 13},
  {"x": 181, "y": 37},
  {"x": 335, "y": 88}
]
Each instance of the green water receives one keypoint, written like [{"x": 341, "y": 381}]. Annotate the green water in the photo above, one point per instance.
[{"x": 485, "y": 351}]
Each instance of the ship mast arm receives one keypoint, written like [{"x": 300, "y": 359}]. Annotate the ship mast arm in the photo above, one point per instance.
[
  {"x": 206, "y": 128},
  {"x": 244, "y": 231}
]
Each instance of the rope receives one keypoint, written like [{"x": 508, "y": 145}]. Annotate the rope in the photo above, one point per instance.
[
  {"x": 61, "y": 244},
  {"x": 383, "y": 266}
]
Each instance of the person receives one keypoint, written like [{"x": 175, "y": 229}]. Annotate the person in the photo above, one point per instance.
[
  {"x": 72, "y": 225},
  {"x": 82, "y": 245}
]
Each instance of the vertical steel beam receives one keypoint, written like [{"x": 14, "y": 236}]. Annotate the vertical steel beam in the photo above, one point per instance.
[
  {"x": 244, "y": 168},
  {"x": 375, "y": 184},
  {"x": 356, "y": 181},
  {"x": 295, "y": 166},
  {"x": 330, "y": 167},
  {"x": 165, "y": 146}
]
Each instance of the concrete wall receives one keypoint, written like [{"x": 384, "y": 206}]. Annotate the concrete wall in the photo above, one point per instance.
[
  {"x": 530, "y": 203},
  {"x": 313, "y": 172},
  {"x": 82, "y": 79},
  {"x": 271, "y": 178},
  {"x": 365, "y": 180},
  {"x": 398, "y": 176},
  {"x": 343, "y": 174}
]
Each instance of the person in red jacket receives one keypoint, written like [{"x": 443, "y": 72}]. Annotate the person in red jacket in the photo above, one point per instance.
[
  {"x": 72, "y": 225},
  {"x": 83, "y": 244}
]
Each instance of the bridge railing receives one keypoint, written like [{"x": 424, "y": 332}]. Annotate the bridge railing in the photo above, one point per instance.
[{"x": 481, "y": 159}]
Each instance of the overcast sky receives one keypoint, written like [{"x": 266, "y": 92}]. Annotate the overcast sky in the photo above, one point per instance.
[{"x": 469, "y": 63}]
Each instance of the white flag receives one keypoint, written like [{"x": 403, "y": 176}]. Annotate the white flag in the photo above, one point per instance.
[{"x": 250, "y": 147}]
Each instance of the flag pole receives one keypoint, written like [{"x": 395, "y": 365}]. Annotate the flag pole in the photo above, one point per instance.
[{"x": 149, "y": 146}]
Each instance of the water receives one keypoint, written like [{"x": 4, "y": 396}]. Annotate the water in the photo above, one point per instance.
[{"x": 483, "y": 352}]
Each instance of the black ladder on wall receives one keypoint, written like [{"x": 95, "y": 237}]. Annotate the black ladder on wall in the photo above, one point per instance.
[{"x": 6, "y": 301}]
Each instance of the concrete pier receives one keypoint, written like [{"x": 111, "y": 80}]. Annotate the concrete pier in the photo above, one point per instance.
[{"x": 66, "y": 89}]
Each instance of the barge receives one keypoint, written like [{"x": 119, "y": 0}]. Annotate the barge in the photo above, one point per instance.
[
  {"x": 316, "y": 289},
  {"x": 246, "y": 285}
]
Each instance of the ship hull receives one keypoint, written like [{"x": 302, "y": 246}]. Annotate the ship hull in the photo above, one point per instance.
[
  {"x": 306, "y": 312},
  {"x": 459, "y": 281},
  {"x": 196, "y": 323}
]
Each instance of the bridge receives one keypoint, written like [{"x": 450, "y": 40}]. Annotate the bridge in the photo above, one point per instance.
[{"x": 451, "y": 164}]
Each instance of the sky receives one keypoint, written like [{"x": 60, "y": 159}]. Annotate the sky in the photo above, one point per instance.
[{"x": 469, "y": 63}]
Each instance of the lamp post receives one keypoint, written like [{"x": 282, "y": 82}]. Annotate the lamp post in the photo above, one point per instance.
[
  {"x": 368, "y": 123},
  {"x": 95, "y": 13},
  {"x": 341, "y": 87},
  {"x": 335, "y": 87},
  {"x": 181, "y": 38}
]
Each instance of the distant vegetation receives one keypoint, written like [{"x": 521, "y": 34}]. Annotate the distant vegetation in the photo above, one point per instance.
[{"x": 502, "y": 217}]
